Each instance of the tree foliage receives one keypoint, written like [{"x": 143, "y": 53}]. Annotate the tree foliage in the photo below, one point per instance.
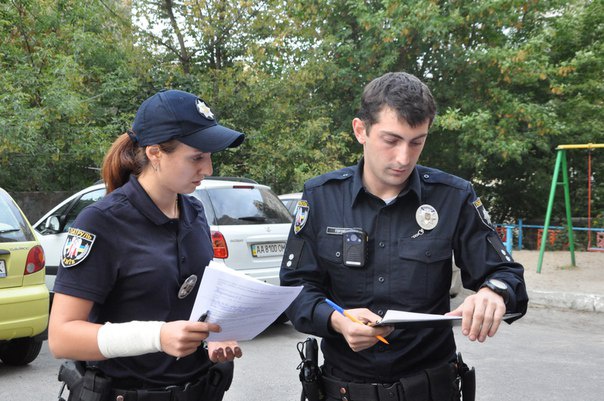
[
  {"x": 67, "y": 86},
  {"x": 513, "y": 79}
]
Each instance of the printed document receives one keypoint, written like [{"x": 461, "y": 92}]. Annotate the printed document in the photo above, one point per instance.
[
  {"x": 243, "y": 306},
  {"x": 403, "y": 319},
  {"x": 397, "y": 316}
]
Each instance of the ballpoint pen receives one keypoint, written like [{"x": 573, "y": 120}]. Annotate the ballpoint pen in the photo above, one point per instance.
[{"x": 349, "y": 316}]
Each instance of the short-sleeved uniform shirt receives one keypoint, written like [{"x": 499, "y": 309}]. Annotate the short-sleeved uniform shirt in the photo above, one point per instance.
[
  {"x": 405, "y": 268},
  {"x": 130, "y": 259}
]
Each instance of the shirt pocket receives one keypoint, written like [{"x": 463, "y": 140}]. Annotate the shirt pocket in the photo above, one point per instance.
[
  {"x": 344, "y": 281},
  {"x": 425, "y": 268}
]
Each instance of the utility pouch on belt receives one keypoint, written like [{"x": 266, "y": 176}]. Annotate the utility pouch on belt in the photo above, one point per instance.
[
  {"x": 220, "y": 377},
  {"x": 310, "y": 372},
  {"x": 83, "y": 384},
  {"x": 468, "y": 379}
]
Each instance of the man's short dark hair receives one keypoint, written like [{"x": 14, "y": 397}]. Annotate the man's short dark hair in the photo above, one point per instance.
[{"x": 402, "y": 92}]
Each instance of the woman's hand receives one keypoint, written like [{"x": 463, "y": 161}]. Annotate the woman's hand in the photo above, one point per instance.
[
  {"x": 223, "y": 351},
  {"x": 182, "y": 337}
]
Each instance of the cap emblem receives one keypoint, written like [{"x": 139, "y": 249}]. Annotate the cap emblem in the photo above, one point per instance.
[{"x": 204, "y": 109}]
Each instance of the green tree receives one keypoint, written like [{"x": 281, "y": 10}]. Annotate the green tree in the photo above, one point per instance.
[
  {"x": 239, "y": 56},
  {"x": 68, "y": 80},
  {"x": 493, "y": 67},
  {"x": 512, "y": 79}
]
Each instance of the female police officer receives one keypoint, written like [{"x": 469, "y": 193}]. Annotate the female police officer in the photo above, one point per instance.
[{"x": 133, "y": 261}]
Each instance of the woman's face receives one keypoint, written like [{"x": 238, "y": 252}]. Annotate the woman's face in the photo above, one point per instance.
[{"x": 182, "y": 170}]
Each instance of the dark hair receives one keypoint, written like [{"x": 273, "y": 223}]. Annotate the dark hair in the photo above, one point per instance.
[
  {"x": 402, "y": 92},
  {"x": 126, "y": 157}
]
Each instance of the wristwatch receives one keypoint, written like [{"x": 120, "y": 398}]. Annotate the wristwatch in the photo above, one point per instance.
[{"x": 497, "y": 286}]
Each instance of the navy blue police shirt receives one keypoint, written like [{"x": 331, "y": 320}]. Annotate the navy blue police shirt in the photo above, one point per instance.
[
  {"x": 406, "y": 268},
  {"x": 130, "y": 259}
]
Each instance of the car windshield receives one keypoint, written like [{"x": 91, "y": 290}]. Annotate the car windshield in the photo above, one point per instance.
[
  {"x": 12, "y": 225},
  {"x": 246, "y": 205}
]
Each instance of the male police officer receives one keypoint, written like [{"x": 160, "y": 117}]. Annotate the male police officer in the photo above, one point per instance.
[{"x": 380, "y": 235}]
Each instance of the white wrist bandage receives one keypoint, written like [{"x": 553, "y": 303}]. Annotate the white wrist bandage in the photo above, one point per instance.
[{"x": 129, "y": 339}]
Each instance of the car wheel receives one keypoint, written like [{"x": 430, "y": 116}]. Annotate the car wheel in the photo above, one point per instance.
[{"x": 20, "y": 351}]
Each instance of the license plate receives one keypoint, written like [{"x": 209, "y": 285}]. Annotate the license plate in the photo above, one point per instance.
[
  {"x": 265, "y": 250},
  {"x": 2, "y": 269}
]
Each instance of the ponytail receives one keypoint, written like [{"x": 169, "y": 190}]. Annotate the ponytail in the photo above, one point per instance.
[{"x": 123, "y": 158}]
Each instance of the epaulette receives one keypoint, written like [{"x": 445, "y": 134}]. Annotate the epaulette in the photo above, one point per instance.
[
  {"x": 342, "y": 174},
  {"x": 436, "y": 176}
]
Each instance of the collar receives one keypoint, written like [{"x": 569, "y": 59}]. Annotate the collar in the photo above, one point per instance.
[
  {"x": 357, "y": 182},
  {"x": 413, "y": 185},
  {"x": 140, "y": 200}
]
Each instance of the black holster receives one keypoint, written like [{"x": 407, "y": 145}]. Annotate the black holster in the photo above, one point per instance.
[
  {"x": 310, "y": 372},
  {"x": 467, "y": 377},
  {"x": 84, "y": 384}
]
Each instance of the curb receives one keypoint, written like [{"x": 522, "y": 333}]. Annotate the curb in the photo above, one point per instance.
[{"x": 574, "y": 301}]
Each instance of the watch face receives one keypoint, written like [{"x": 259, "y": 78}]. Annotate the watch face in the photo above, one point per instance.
[{"x": 498, "y": 284}]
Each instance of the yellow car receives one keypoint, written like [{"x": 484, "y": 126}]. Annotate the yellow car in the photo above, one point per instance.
[{"x": 23, "y": 292}]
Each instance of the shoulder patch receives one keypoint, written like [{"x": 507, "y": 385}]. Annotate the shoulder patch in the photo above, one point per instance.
[
  {"x": 301, "y": 216},
  {"x": 77, "y": 246},
  {"x": 483, "y": 214}
]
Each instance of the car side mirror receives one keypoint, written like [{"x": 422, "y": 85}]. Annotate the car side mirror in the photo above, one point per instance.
[{"x": 52, "y": 224}]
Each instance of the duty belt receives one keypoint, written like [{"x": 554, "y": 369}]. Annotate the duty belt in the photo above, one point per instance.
[
  {"x": 192, "y": 391},
  {"x": 439, "y": 384}
]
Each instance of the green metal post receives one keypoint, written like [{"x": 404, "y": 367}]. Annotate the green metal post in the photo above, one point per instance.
[
  {"x": 561, "y": 159},
  {"x": 569, "y": 221},
  {"x": 550, "y": 204}
]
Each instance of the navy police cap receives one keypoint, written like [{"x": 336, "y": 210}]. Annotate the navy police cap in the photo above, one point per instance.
[{"x": 174, "y": 114}]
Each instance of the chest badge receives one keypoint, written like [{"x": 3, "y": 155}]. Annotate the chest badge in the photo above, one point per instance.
[
  {"x": 427, "y": 217},
  {"x": 187, "y": 286},
  {"x": 301, "y": 217},
  {"x": 77, "y": 246}
]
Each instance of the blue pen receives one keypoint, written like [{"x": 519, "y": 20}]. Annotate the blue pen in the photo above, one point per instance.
[{"x": 339, "y": 309}]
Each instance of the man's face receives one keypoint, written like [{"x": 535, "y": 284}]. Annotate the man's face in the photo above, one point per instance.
[{"x": 391, "y": 150}]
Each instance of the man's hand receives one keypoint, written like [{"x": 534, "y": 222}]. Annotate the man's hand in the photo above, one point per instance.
[
  {"x": 224, "y": 351},
  {"x": 481, "y": 314},
  {"x": 359, "y": 336}
]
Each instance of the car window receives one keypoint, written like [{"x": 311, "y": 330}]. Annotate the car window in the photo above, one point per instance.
[
  {"x": 202, "y": 195},
  {"x": 246, "y": 205},
  {"x": 291, "y": 205},
  {"x": 73, "y": 209},
  {"x": 13, "y": 227}
]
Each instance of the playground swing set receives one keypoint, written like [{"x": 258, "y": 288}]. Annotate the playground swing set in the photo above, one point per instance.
[{"x": 561, "y": 163}]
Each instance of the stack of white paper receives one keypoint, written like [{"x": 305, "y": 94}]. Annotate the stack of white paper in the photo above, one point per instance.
[{"x": 242, "y": 306}]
